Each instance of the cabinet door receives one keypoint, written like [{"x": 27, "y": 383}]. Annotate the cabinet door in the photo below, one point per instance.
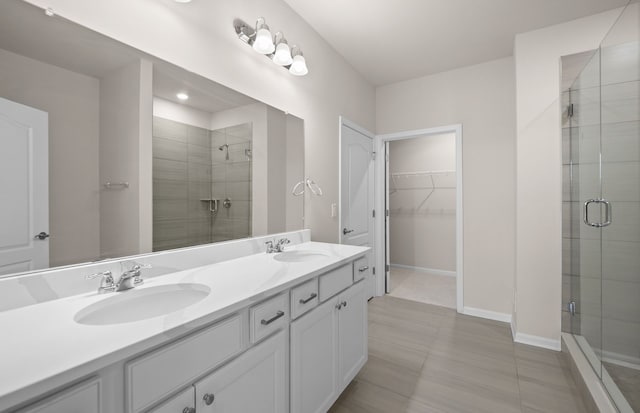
[
  {"x": 314, "y": 352},
  {"x": 183, "y": 402},
  {"x": 254, "y": 382},
  {"x": 352, "y": 333},
  {"x": 82, "y": 398}
]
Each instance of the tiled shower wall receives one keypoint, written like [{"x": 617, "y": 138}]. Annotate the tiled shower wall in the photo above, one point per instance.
[
  {"x": 188, "y": 170},
  {"x": 232, "y": 181},
  {"x": 604, "y": 272}
]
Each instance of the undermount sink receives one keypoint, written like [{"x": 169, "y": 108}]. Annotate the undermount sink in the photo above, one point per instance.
[
  {"x": 141, "y": 304},
  {"x": 300, "y": 256}
]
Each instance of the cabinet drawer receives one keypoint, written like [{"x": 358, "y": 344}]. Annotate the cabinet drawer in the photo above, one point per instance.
[
  {"x": 361, "y": 268},
  {"x": 181, "y": 403},
  {"x": 304, "y": 297},
  {"x": 155, "y": 375},
  {"x": 335, "y": 281},
  {"x": 81, "y": 398},
  {"x": 267, "y": 317}
]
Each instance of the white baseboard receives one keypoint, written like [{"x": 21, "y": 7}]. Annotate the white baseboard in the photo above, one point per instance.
[
  {"x": 537, "y": 341},
  {"x": 491, "y": 315},
  {"x": 429, "y": 270}
]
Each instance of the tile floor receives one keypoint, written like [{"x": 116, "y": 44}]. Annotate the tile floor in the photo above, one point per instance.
[
  {"x": 425, "y": 358},
  {"x": 423, "y": 287}
]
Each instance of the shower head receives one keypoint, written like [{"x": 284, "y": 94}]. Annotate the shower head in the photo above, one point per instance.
[{"x": 222, "y": 148}]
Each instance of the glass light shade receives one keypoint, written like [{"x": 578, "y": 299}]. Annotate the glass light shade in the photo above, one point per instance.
[
  {"x": 299, "y": 66},
  {"x": 283, "y": 55},
  {"x": 263, "y": 42}
]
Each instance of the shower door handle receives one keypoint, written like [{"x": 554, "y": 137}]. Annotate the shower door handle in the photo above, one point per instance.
[{"x": 607, "y": 209}]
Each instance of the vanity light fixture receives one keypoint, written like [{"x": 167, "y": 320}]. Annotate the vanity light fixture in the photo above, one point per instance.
[
  {"x": 282, "y": 56},
  {"x": 182, "y": 96},
  {"x": 275, "y": 47},
  {"x": 299, "y": 64},
  {"x": 263, "y": 43}
]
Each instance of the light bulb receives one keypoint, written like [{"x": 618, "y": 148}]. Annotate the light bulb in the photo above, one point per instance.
[
  {"x": 263, "y": 43},
  {"x": 182, "y": 96},
  {"x": 299, "y": 65},
  {"x": 283, "y": 54}
]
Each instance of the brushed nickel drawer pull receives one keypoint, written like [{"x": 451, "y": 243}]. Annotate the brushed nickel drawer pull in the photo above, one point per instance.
[
  {"x": 272, "y": 319},
  {"x": 208, "y": 398},
  {"x": 306, "y": 300},
  {"x": 363, "y": 269}
]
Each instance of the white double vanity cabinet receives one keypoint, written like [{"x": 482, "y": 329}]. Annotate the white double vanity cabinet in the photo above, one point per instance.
[{"x": 287, "y": 335}]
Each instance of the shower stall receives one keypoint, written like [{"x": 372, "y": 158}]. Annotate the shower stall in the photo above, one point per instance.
[
  {"x": 202, "y": 184},
  {"x": 601, "y": 208}
]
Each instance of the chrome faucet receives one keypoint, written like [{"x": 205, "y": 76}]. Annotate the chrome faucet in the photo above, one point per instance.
[
  {"x": 281, "y": 243},
  {"x": 131, "y": 277},
  {"x": 279, "y": 247},
  {"x": 107, "y": 284}
]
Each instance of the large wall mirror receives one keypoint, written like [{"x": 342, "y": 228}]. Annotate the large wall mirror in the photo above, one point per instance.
[{"x": 109, "y": 152}]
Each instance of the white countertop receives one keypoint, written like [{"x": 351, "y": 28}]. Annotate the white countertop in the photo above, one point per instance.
[{"x": 42, "y": 347}]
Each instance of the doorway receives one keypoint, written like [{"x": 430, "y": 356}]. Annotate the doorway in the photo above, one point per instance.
[{"x": 422, "y": 226}]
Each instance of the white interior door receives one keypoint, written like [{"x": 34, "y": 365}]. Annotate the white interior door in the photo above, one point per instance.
[
  {"x": 356, "y": 191},
  {"x": 24, "y": 209}
]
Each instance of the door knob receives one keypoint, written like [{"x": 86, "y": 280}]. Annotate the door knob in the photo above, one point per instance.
[
  {"x": 347, "y": 231},
  {"x": 208, "y": 398},
  {"x": 41, "y": 236}
]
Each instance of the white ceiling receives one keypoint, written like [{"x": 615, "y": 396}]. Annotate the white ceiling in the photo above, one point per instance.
[{"x": 389, "y": 41}]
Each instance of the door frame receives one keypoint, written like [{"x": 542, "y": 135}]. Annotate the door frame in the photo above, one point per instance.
[{"x": 380, "y": 233}]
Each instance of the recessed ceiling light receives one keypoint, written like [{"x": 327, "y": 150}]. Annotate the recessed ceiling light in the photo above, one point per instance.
[
  {"x": 182, "y": 1},
  {"x": 182, "y": 96},
  {"x": 49, "y": 12}
]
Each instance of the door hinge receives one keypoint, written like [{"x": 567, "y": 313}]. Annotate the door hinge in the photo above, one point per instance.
[
  {"x": 387, "y": 212},
  {"x": 388, "y": 267},
  {"x": 572, "y": 307},
  {"x": 570, "y": 110},
  {"x": 373, "y": 155},
  {"x": 373, "y": 270},
  {"x": 373, "y": 213}
]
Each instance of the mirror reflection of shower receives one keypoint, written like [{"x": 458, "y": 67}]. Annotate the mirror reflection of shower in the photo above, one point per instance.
[
  {"x": 225, "y": 147},
  {"x": 202, "y": 183}
]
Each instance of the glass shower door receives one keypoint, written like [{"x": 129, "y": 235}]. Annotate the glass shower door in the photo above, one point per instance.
[
  {"x": 588, "y": 210},
  {"x": 620, "y": 143}
]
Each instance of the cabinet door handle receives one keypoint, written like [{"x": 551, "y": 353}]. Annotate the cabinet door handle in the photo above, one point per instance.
[
  {"x": 208, "y": 398},
  {"x": 189, "y": 410},
  {"x": 306, "y": 300},
  {"x": 272, "y": 319},
  {"x": 344, "y": 303},
  {"x": 339, "y": 306},
  {"x": 363, "y": 269},
  {"x": 347, "y": 231}
]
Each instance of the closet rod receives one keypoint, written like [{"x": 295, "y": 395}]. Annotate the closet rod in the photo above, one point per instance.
[{"x": 424, "y": 173}]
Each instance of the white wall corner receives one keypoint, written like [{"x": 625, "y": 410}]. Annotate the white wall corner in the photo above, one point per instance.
[
  {"x": 537, "y": 341},
  {"x": 513, "y": 327},
  {"x": 490, "y": 315}
]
